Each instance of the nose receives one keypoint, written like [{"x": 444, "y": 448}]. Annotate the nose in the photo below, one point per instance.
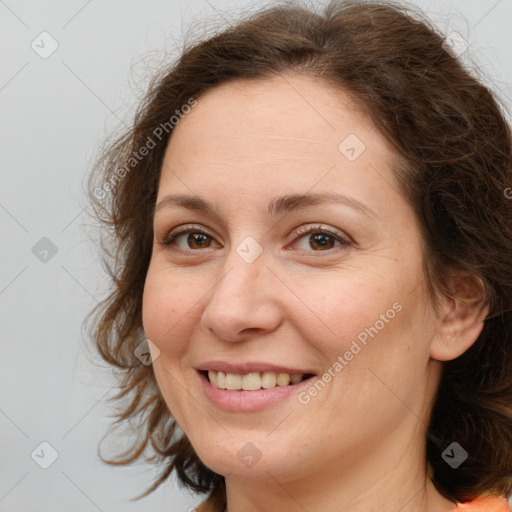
[{"x": 244, "y": 303}]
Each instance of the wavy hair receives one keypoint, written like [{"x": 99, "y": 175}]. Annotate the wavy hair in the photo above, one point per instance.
[{"x": 455, "y": 152}]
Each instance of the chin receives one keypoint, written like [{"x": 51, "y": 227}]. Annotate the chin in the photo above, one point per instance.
[{"x": 239, "y": 457}]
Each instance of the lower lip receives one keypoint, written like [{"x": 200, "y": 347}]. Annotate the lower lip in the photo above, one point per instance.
[{"x": 248, "y": 401}]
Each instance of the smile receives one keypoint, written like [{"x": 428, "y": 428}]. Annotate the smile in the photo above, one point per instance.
[
  {"x": 253, "y": 381},
  {"x": 250, "y": 391}
]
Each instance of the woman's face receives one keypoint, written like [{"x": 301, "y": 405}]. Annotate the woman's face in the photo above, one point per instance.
[{"x": 298, "y": 255}]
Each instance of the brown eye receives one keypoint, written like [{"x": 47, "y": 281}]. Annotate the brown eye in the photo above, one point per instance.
[
  {"x": 198, "y": 240},
  {"x": 188, "y": 239},
  {"x": 321, "y": 241},
  {"x": 317, "y": 239}
]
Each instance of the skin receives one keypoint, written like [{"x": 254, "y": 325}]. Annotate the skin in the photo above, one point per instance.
[{"x": 359, "y": 444}]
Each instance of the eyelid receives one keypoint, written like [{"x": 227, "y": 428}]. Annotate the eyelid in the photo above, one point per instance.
[
  {"x": 316, "y": 227},
  {"x": 298, "y": 233},
  {"x": 340, "y": 236},
  {"x": 184, "y": 229}
]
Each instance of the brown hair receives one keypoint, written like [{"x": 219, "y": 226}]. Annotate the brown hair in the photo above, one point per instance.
[{"x": 455, "y": 151}]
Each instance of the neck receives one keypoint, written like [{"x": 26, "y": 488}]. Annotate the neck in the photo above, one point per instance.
[
  {"x": 273, "y": 496},
  {"x": 386, "y": 480}
]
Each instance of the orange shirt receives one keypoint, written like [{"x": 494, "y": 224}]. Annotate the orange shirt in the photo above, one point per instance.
[{"x": 490, "y": 504}]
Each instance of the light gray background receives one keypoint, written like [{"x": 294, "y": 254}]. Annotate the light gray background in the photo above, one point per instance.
[{"x": 54, "y": 113}]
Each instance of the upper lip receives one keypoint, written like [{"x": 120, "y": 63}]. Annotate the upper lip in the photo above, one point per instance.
[{"x": 249, "y": 367}]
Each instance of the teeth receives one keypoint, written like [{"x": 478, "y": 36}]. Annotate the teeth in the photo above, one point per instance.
[
  {"x": 268, "y": 380},
  {"x": 252, "y": 381},
  {"x": 295, "y": 378},
  {"x": 283, "y": 379},
  {"x": 233, "y": 381},
  {"x": 221, "y": 380}
]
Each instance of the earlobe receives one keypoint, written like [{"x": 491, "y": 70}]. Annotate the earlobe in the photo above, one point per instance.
[{"x": 461, "y": 317}]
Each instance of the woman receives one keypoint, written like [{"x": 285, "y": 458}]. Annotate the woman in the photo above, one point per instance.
[{"x": 311, "y": 238}]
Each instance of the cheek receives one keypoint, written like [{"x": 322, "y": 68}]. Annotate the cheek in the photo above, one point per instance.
[
  {"x": 366, "y": 326},
  {"x": 335, "y": 310},
  {"x": 167, "y": 317},
  {"x": 167, "y": 312}
]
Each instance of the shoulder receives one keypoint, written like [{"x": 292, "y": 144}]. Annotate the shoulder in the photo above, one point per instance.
[{"x": 488, "y": 504}]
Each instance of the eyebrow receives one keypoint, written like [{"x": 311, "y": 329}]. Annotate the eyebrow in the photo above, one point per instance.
[{"x": 278, "y": 206}]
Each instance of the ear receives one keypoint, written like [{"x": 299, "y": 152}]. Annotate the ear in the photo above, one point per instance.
[{"x": 461, "y": 317}]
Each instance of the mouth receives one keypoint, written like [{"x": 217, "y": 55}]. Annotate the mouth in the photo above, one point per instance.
[{"x": 253, "y": 381}]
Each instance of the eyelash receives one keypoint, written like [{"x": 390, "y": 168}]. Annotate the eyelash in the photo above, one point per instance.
[{"x": 300, "y": 233}]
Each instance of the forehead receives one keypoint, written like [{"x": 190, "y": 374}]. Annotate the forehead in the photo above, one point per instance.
[
  {"x": 288, "y": 132},
  {"x": 274, "y": 115}
]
